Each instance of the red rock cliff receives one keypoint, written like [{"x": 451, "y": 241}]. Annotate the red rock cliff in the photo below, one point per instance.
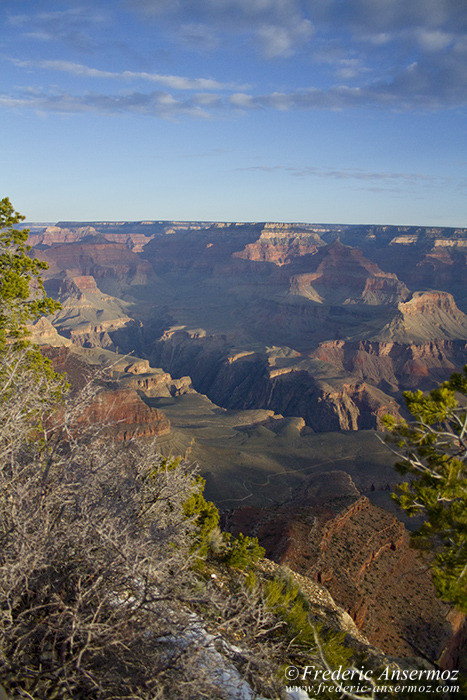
[
  {"x": 122, "y": 412},
  {"x": 362, "y": 555},
  {"x": 125, "y": 415}
]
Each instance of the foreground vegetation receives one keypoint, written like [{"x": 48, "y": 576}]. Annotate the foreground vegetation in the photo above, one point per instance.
[{"x": 432, "y": 451}]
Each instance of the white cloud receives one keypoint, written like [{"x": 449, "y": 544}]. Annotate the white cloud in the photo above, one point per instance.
[
  {"x": 366, "y": 44},
  {"x": 279, "y": 27},
  {"x": 175, "y": 82},
  {"x": 419, "y": 86},
  {"x": 241, "y": 100},
  {"x": 199, "y": 36},
  {"x": 73, "y": 27},
  {"x": 158, "y": 104},
  {"x": 349, "y": 68},
  {"x": 283, "y": 40},
  {"x": 434, "y": 40},
  {"x": 381, "y": 54}
]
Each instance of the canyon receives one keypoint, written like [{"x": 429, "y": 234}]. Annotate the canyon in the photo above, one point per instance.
[{"x": 269, "y": 353}]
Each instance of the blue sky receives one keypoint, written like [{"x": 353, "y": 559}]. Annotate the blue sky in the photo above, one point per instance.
[{"x": 349, "y": 111}]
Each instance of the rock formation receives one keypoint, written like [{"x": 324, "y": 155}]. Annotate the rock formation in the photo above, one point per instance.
[
  {"x": 298, "y": 338},
  {"x": 123, "y": 414},
  {"x": 361, "y": 554},
  {"x": 339, "y": 274},
  {"x": 134, "y": 235},
  {"x": 88, "y": 316},
  {"x": 429, "y": 315},
  {"x": 393, "y": 365},
  {"x": 248, "y": 380},
  {"x": 280, "y": 244},
  {"x": 43, "y": 332},
  {"x": 98, "y": 257},
  {"x": 118, "y": 410},
  {"x": 359, "y": 335}
]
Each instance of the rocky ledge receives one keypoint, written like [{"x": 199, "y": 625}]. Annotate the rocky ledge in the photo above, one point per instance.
[
  {"x": 119, "y": 409},
  {"x": 334, "y": 536}
]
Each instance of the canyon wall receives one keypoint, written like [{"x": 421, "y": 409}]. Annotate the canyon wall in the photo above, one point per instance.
[{"x": 362, "y": 555}]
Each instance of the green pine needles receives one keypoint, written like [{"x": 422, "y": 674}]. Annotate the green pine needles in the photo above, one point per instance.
[
  {"x": 22, "y": 301},
  {"x": 22, "y": 297},
  {"x": 432, "y": 450}
]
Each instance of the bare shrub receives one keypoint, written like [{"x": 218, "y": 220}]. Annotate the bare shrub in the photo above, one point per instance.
[{"x": 95, "y": 563}]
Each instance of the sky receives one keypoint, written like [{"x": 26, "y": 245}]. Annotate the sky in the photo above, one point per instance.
[{"x": 332, "y": 111}]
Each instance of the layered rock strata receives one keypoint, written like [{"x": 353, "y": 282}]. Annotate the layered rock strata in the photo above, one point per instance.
[
  {"x": 280, "y": 244},
  {"x": 392, "y": 365},
  {"x": 340, "y": 274},
  {"x": 123, "y": 414},
  {"x": 246, "y": 380},
  {"x": 429, "y": 315},
  {"x": 97, "y": 257},
  {"x": 118, "y": 411},
  {"x": 362, "y": 555}
]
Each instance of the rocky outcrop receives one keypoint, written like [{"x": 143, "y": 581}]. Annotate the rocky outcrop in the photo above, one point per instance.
[
  {"x": 423, "y": 257},
  {"x": 65, "y": 361},
  {"x": 119, "y": 409},
  {"x": 431, "y": 302},
  {"x": 80, "y": 364},
  {"x": 135, "y": 240},
  {"x": 98, "y": 257},
  {"x": 430, "y": 315},
  {"x": 59, "y": 234},
  {"x": 79, "y": 283},
  {"x": 149, "y": 381},
  {"x": 202, "y": 250},
  {"x": 340, "y": 274},
  {"x": 362, "y": 555},
  {"x": 280, "y": 244},
  {"x": 88, "y": 317},
  {"x": 110, "y": 335},
  {"x": 44, "y": 333},
  {"x": 327, "y": 407},
  {"x": 394, "y": 366},
  {"x": 246, "y": 380},
  {"x": 443, "y": 267},
  {"x": 123, "y": 414}
]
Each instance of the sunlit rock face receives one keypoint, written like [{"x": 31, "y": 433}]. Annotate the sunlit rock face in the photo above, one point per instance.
[
  {"x": 118, "y": 409},
  {"x": 340, "y": 274},
  {"x": 97, "y": 257},
  {"x": 253, "y": 380},
  {"x": 123, "y": 414},
  {"x": 430, "y": 315},
  {"x": 280, "y": 244},
  {"x": 362, "y": 555},
  {"x": 214, "y": 298},
  {"x": 391, "y": 365}
]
